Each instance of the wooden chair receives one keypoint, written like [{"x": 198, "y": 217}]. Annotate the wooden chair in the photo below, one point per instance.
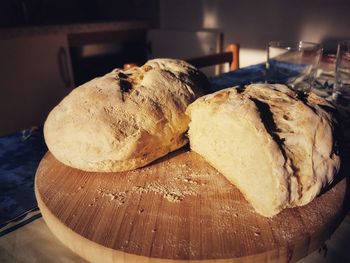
[{"x": 231, "y": 56}]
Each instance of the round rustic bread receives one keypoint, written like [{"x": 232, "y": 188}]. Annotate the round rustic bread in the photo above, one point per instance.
[
  {"x": 125, "y": 119},
  {"x": 276, "y": 148}
]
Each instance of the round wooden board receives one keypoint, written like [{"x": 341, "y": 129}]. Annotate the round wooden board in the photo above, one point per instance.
[{"x": 178, "y": 208}]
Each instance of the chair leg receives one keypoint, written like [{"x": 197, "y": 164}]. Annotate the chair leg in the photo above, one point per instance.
[{"x": 234, "y": 48}]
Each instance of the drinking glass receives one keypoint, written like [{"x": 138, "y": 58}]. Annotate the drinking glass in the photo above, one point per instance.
[
  {"x": 341, "y": 92},
  {"x": 293, "y": 63}
]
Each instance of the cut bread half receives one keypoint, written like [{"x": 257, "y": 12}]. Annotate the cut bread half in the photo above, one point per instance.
[{"x": 276, "y": 148}]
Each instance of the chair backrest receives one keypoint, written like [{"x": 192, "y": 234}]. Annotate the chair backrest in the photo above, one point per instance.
[
  {"x": 164, "y": 43},
  {"x": 230, "y": 56}
]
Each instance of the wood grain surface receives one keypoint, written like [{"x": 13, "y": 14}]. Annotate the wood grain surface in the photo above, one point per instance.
[{"x": 176, "y": 209}]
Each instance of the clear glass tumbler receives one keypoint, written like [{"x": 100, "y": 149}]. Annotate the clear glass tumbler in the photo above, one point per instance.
[
  {"x": 293, "y": 63},
  {"x": 341, "y": 91}
]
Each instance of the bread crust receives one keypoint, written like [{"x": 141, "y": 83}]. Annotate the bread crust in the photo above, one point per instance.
[{"x": 125, "y": 119}]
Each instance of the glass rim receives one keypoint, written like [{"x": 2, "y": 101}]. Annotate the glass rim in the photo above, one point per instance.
[{"x": 295, "y": 45}]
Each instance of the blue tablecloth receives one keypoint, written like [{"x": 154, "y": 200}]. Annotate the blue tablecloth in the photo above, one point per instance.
[
  {"x": 20, "y": 154},
  {"x": 242, "y": 76}
]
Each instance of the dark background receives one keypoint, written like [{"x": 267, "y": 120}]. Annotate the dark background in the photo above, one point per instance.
[{"x": 14, "y": 13}]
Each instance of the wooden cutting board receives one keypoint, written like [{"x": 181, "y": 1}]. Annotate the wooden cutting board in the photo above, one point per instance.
[{"x": 176, "y": 209}]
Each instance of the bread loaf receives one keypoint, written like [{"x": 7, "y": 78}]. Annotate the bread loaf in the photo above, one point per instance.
[
  {"x": 277, "y": 149},
  {"x": 125, "y": 119}
]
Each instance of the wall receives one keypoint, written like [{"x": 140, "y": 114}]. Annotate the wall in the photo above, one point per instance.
[
  {"x": 252, "y": 23},
  {"x": 15, "y": 13}
]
